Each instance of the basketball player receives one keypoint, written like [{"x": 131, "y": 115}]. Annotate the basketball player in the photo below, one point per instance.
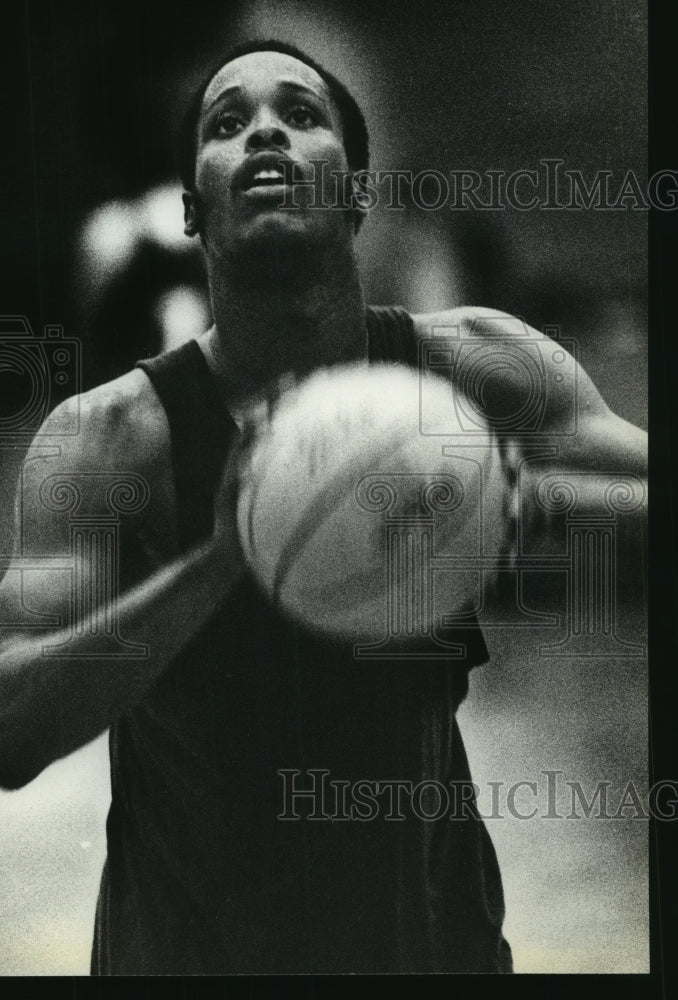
[{"x": 202, "y": 877}]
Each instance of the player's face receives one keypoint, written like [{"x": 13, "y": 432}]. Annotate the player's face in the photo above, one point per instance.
[{"x": 258, "y": 110}]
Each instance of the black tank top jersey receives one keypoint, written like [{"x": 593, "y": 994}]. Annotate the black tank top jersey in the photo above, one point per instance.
[{"x": 202, "y": 877}]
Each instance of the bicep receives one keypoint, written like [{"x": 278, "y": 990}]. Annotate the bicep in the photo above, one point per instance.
[
  {"x": 58, "y": 514},
  {"x": 533, "y": 388}
]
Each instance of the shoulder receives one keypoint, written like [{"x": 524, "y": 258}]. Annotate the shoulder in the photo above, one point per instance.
[
  {"x": 530, "y": 365},
  {"x": 119, "y": 429},
  {"x": 120, "y": 424},
  {"x": 469, "y": 321}
]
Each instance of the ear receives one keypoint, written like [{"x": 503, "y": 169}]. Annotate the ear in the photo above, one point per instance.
[
  {"x": 190, "y": 214},
  {"x": 361, "y": 201}
]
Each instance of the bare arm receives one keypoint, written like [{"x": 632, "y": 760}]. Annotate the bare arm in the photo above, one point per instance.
[
  {"x": 575, "y": 447},
  {"x": 519, "y": 361},
  {"x": 49, "y": 705}
]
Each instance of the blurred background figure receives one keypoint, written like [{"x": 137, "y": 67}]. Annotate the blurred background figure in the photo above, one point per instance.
[{"x": 140, "y": 287}]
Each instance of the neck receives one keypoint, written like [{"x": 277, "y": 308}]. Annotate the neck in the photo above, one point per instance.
[{"x": 275, "y": 319}]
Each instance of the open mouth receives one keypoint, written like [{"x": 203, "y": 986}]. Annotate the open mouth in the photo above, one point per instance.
[
  {"x": 265, "y": 179},
  {"x": 265, "y": 174}
]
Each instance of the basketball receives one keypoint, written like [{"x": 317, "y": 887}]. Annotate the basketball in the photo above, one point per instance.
[{"x": 359, "y": 493}]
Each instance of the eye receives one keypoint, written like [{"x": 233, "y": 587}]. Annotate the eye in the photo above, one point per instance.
[
  {"x": 227, "y": 124},
  {"x": 301, "y": 116}
]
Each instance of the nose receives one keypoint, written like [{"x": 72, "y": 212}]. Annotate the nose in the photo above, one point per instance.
[{"x": 266, "y": 136}]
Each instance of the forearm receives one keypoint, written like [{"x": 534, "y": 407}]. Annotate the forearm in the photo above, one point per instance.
[
  {"x": 619, "y": 447},
  {"x": 51, "y": 706},
  {"x": 604, "y": 443}
]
